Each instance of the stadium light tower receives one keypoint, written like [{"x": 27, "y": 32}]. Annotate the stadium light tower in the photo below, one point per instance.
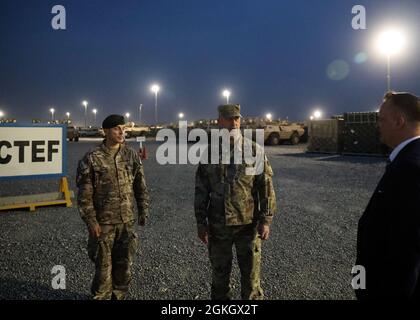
[
  {"x": 85, "y": 104},
  {"x": 140, "y": 106},
  {"x": 94, "y": 116},
  {"x": 226, "y": 94},
  {"x": 155, "y": 89},
  {"x": 52, "y": 114},
  {"x": 390, "y": 42}
]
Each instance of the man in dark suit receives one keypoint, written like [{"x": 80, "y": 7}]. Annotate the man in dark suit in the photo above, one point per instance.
[{"x": 388, "y": 239}]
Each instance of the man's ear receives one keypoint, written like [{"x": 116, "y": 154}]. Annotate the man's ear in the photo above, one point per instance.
[{"x": 400, "y": 121}]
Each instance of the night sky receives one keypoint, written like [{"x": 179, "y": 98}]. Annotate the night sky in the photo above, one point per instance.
[{"x": 273, "y": 55}]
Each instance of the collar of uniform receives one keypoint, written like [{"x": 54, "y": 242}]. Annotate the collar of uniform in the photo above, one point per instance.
[
  {"x": 107, "y": 150},
  {"x": 235, "y": 144}
]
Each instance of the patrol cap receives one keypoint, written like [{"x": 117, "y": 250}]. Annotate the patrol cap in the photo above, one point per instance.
[
  {"x": 112, "y": 121},
  {"x": 230, "y": 110}
]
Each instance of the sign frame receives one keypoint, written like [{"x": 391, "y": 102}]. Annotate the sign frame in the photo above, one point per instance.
[{"x": 64, "y": 151}]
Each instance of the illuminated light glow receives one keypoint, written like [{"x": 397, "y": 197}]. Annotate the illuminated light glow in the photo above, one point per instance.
[
  {"x": 85, "y": 103},
  {"x": 1, "y": 114},
  {"x": 269, "y": 116},
  {"x": 317, "y": 114},
  {"x": 127, "y": 115},
  {"x": 226, "y": 94},
  {"x": 155, "y": 88},
  {"x": 360, "y": 58},
  {"x": 391, "y": 41},
  {"x": 52, "y": 110},
  {"x": 180, "y": 115},
  {"x": 311, "y": 117},
  {"x": 94, "y": 111},
  {"x": 338, "y": 70}
]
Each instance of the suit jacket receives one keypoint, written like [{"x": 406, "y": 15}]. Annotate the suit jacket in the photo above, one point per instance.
[{"x": 388, "y": 239}]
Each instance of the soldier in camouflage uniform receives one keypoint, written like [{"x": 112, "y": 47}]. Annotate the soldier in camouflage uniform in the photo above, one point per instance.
[
  {"x": 108, "y": 178},
  {"x": 233, "y": 208}
]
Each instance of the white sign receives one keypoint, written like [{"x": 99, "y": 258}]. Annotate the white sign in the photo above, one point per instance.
[{"x": 32, "y": 151}]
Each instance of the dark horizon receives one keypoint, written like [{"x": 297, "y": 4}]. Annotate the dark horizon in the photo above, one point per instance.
[{"x": 273, "y": 56}]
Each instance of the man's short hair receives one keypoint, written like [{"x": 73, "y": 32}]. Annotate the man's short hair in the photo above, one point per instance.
[{"x": 407, "y": 103}]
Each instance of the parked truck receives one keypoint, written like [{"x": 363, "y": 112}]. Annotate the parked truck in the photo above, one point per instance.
[
  {"x": 132, "y": 130},
  {"x": 72, "y": 133},
  {"x": 275, "y": 134}
]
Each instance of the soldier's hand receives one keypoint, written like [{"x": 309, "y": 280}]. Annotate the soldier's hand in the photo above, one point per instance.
[
  {"x": 95, "y": 230},
  {"x": 263, "y": 231},
  {"x": 142, "y": 221},
  {"x": 203, "y": 234}
]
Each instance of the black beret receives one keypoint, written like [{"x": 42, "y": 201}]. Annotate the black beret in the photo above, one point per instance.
[{"x": 112, "y": 121}]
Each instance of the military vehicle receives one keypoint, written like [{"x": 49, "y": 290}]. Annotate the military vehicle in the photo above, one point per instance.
[
  {"x": 133, "y": 130},
  {"x": 275, "y": 134},
  {"x": 92, "y": 132},
  {"x": 72, "y": 133}
]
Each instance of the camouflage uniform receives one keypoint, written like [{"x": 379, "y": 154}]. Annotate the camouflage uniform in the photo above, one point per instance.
[
  {"x": 232, "y": 204},
  {"x": 107, "y": 184}
]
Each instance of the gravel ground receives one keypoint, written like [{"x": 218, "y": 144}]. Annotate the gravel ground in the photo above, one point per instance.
[{"x": 309, "y": 254}]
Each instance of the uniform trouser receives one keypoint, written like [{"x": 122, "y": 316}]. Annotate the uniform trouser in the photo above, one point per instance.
[
  {"x": 248, "y": 251},
  {"x": 113, "y": 254}
]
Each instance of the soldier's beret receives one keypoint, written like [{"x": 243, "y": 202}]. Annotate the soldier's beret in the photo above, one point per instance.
[
  {"x": 230, "y": 110},
  {"x": 112, "y": 121}
]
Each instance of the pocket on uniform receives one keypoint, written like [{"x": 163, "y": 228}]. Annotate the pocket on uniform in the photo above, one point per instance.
[
  {"x": 93, "y": 248},
  {"x": 257, "y": 245},
  {"x": 129, "y": 173},
  {"x": 133, "y": 243}
]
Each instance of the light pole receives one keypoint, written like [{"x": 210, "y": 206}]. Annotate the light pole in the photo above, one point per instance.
[
  {"x": 226, "y": 93},
  {"x": 140, "y": 113},
  {"x": 52, "y": 114},
  {"x": 390, "y": 42},
  {"x": 155, "y": 89},
  {"x": 94, "y": 116},
  {"x": 85, "y": 104}
]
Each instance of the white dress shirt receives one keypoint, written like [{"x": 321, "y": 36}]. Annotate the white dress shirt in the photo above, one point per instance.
[{"x": 398, "y": 148}]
